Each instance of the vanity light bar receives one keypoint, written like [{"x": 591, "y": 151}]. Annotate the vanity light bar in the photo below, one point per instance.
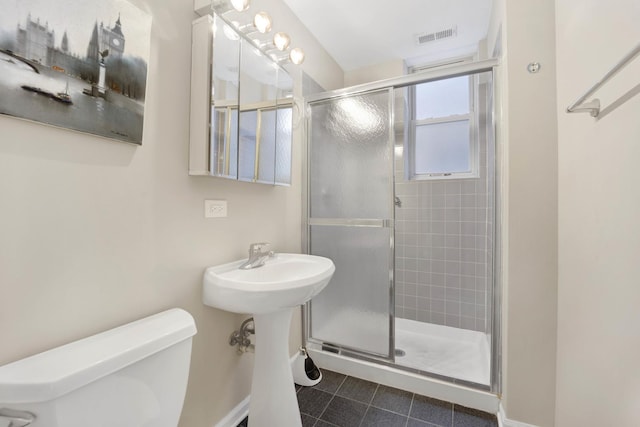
[{"x": 261, "y": 24}]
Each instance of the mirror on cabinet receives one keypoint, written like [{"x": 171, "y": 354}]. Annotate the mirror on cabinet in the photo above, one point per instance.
[
  {"x": 225, "y": 90},
  {"x": 246, "y": 131},
  {"x": 258, "y": 95},
  {"x": 284, "y": 126}
]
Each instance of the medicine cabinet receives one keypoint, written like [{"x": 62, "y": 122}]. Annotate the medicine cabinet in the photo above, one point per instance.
[{"x": 241, "y": 108}]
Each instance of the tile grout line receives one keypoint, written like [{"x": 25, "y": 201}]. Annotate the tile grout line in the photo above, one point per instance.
[
  {"x": 369, "y": 405},
  {"x": 325, "y": 408},
  {"x": 341, "y": 383},
  {"x": 453, "y": 405},
  {"x": 333, "y": 395},
  {"x": 413, "y": 396},
  {"x": 452, "y": 414}
]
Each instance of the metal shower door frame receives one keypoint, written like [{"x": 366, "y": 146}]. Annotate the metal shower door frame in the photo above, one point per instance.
[
  {"x": 439, "y": 73},
  {"x": 351, "y": 222}
]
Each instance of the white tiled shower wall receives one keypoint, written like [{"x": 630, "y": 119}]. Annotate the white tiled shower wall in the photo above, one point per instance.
[{"x": 443, "y": 244}]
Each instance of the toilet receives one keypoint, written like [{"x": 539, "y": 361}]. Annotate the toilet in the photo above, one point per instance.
[{"x": 131, "y": 376}]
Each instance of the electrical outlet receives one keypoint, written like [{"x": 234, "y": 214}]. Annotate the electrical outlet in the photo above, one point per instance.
[{"x": 215, "y": 208}]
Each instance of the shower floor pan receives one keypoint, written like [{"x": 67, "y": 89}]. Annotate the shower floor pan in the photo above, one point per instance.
[{"x": 443, "y": 350}]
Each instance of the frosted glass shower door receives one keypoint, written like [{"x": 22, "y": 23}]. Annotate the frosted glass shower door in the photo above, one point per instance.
[{"x": 351, "y": 220}]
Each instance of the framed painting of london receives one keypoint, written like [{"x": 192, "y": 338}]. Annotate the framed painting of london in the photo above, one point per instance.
[{"x": 75, "y": 64}]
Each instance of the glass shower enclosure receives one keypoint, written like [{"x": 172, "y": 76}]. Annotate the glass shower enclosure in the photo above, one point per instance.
[{"x": 413, "y": 247}]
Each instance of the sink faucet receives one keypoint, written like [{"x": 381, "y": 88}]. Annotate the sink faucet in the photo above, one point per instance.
[{"x": 258, "y": 255}]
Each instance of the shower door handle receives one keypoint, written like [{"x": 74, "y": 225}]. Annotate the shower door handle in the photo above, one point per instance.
[{"x": 352, "y": 222}]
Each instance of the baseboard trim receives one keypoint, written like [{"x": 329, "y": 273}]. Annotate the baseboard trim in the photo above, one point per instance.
[
  {"x": 503, "y": 421},
  {"x": 237, "y": 414}
]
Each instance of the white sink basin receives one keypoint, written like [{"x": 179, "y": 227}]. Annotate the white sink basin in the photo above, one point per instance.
[
  {"x": 284, "y": 281},
  {"x": 269, "y": 293}
]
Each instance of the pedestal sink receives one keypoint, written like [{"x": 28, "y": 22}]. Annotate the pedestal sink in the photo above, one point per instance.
[{"x": 270, "y": 293}]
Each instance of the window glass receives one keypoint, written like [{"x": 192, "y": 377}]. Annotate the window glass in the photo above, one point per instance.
[
  {"x": 442, "y": 142},
  {"x": 283, "y": 146},
  {"x": 233, "y": 147},
  {"x": 247, "y": 145},
  {"x": 443, "y": 148},
  {"x": 267, "y": 155},
  {"x": 442, "y": 98}
]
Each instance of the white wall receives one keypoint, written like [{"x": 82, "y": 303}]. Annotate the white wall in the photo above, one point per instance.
[
  {"x": 599, "y": 228},
  {"x": 527, "y": 172},
  {"x": 96, "y": 233},
  {"x": 385, "y": 70},
  {"x": 317, "y": 64}
]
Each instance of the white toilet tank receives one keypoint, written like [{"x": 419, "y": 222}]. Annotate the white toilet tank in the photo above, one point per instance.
[{"x": 131, "y": 376}]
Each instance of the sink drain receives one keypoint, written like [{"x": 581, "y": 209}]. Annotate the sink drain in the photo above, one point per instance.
[{"x": 399, "y": 352}]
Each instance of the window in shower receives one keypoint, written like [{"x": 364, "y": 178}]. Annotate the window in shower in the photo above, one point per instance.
[
  {"x": 442, "y": 142},
  {"x": 444, "y": 230}
]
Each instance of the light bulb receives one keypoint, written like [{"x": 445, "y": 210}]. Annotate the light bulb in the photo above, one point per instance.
[
  {"x": 262, "y": 22},
  {"x": 240, "y": 5},
  {"x": 281, "y": 41},
  {"x": 296, "y": 56}
]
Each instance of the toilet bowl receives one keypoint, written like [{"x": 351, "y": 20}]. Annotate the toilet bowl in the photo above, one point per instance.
[{"x": 131, "y": 376}]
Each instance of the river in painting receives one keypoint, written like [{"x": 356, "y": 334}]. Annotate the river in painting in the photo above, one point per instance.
[{"x": 114, "y": 116}]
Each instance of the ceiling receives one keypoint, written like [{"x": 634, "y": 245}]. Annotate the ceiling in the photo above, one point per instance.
[{"x": 360, "y": 33}]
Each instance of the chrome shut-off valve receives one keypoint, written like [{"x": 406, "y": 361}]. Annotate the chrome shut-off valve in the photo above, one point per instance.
[{"x": 242, "y": 337}]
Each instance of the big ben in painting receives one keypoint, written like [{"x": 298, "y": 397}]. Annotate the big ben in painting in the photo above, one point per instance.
[
  {"x": 105, "y": 38},
  {"x": 113, "y": 39}
]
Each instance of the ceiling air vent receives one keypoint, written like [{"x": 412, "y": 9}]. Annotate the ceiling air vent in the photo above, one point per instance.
[{"x": 438, "y": 35}]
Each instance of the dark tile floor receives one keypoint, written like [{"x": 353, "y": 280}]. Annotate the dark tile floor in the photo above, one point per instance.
[{"x": 343, "y": 401}]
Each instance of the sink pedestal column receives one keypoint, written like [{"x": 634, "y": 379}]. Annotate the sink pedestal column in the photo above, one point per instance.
[{"x": 273, "y": 394}]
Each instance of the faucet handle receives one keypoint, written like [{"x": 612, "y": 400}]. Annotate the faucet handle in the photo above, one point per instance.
[{"x": 256, "y": 248}]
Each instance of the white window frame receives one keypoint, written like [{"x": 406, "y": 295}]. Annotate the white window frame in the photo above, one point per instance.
[{"x": 473, "y": 137}]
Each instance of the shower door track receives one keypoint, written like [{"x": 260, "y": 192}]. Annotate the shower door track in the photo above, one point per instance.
[
  {"x": 355, "y": 354},
  {"x": 425, "y": 76}
]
